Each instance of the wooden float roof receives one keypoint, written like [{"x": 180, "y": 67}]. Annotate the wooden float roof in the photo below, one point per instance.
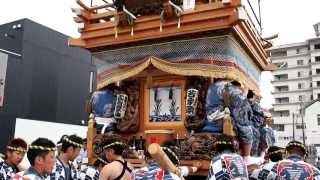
[{"x": 99, "y": 30}]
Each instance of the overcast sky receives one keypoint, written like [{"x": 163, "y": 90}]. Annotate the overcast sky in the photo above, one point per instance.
[{"x": 292, "y": 19}]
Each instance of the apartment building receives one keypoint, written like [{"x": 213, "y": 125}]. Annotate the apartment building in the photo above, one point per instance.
[{"x": 296, "y": 84}]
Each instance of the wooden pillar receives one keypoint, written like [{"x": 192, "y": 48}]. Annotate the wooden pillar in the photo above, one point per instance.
[{"x": 90, "y": 138}]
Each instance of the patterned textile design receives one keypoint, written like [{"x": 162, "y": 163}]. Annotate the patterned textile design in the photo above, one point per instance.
[
  {"x": 263, "y": 172},
  {"x": 153, "y": 172},
  {"x": 29, "y": 174},
  {"x": 215, "y": 108},
  {"x": 223, "y": 48},
  {"x": 227, "y": 166},
  {"x": 58, "y": 172},
  {"x": 263, "y": 136},
  {"x": 89, "y": 173},
  {"x": 292, "y": 168},
  {"x": 6, "y": 171},
  {"x": 241, "y": 113},
  {"x": 102, "y": 102},
  {"x": 204, "y": 68}
]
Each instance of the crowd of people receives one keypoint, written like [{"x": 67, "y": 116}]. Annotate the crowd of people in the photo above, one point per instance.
[{"x": 59, "y": 161}]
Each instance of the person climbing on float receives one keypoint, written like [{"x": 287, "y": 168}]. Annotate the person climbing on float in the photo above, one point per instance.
[
  {"x": 215, "y": 107},
  {"x": 263, "y": 134}
]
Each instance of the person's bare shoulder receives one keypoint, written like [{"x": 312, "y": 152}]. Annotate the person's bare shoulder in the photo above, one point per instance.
[{"x": 105, "y": 173}]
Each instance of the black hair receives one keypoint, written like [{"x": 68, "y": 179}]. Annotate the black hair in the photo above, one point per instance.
[
  {"x": 235, "y": 83},
  {"x": 16, "y": 143},
  {"x": 250, "y": 94},
  {"x": 114, "y": 142},
  {"x": 66, "y": 144},
  {"x": 99, "y": 162},
  {"x": 225, "y": 142},
  {"x": 170, "y": 148},
  {"x": 33, "y": 153},
  {"x": 275, "y": 153},
  {"x": 61, "y": 139},
  {"x": 296, "y": 147}
]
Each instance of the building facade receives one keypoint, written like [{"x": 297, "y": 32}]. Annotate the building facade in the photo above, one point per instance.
[
  {"x": 296, "y": 83},
  {"x": 42, "y": 78}
]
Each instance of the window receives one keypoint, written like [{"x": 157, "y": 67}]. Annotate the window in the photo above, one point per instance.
[
  {"x": 281, "y": 77},
  {"x": 317, "y": 71},
  {"x": 278, "y": 127},
  {"x": 300, "y": 126},
  {"x": 300, "y": 74},
  {"x": 279, "y": 54},
  {"x": 282, "y": 88},
  {"x": 301, "y": 98},
  {"x": 309, "y": 61},
  {"x": 318, "y": 96},
  {"x": 318, "y": 83},
  {"x": 281, "y": 65},
  {"x": 300, "y": 85},
  {"x": 283, "y": 100},
  {"x": 299, "y": 62},
  {"x": 318, "y": 118},
  {"x": 317, "y": 59},
  {"x": 311, "y": 97},
  {"x": 310, "y": 73},
  {"x": 317, "y": 46},
  {"x": 283, "y": 113},
  {"x": 311, "y": 84},
  {"x": 297, "y": 51}
]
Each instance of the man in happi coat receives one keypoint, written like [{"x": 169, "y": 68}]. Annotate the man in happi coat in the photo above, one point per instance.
[
  {"x": 294, "y": 166},
  {"x": 274, "y": 155},
  {"x": 64, "y": 168},
  {"x": 41, "y": 155},
  {"x": 215, "y": 107},
  {"x": 15, "y": 152},
  {"x": 227, "y": 164}
]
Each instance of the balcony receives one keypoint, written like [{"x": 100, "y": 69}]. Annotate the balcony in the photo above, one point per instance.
[
  {"x": 291, "y": 79},
  {"x": 293, "y": 67},
  {"x": 281, "y": 77},
  {"x": 287, "y": 103}
]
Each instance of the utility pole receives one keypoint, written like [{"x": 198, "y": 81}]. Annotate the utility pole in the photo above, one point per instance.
[
  {"x": 293, "y": 127},
  {"x": 303, "y": 125}
]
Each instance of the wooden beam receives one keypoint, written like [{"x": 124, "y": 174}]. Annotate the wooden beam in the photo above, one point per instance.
[
  {"x": 77, "y": 19},
  {"x": 93, "y": 8},
  {"x": 254, "y": 45},
  {"x": 76, "y": 43},
  {"x": 196, "y": 22},
  {"x": 81, "y": 4}
]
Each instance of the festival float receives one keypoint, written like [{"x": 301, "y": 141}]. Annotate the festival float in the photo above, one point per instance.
[{"x": 155, "y": 61}]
